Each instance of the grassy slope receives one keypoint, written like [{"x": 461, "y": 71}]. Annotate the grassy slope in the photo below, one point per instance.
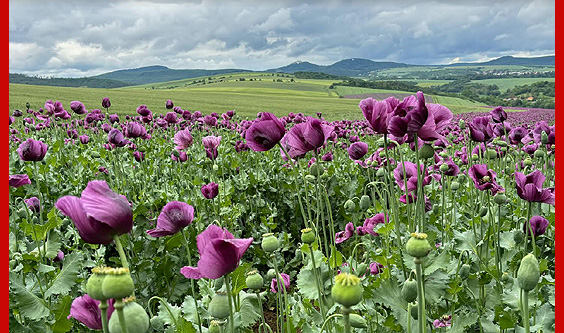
[{"x": 509, "y": 83}]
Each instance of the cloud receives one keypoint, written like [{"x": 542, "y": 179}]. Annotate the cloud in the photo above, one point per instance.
[{"x": 86, "y": 37}]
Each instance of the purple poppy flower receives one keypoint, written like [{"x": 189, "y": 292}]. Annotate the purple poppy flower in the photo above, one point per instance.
[
  {"x": 452, "y": 170},
  {"x": 33, "y": 204},
  {"x": 84, "y": 139},
  {"x": 274, "y": 283},
  {"x": 498, "y": 115},
  {"x": 78, "y": 107},
  {"x": 210, "y": 144},
  {"x": 328, "y": 157},
  {"x": 106, "y": 102},
  {"x": 439, "y": 117},
  {"x": 139, "y": 156},
  {"x": 529, "y": 188},
  {"x": 32, "y": 150},
  {"x": 376, "y": 268},
  {"x": 220, "y": 253},
  {"x": 171, "y": 118},
  {"x": 371, "y": 222},
  {"x": 538, "y": 225},
  {"x": 116, "y": 137},
  {"x": 517, "y": 134},
  {"x": 135, "y": 130},
  {"x": 210, "y": 190},
  {"x": 174, "y": 216},
  {"x": 342, "y": 236},
  {"x": 445, "y": 321},
  {"x": 540, "y": 127},
  {"x": 169, "y": 104},
  {"x": 265, "y": 132},
  {"x": 182, "y": 156},
  {"x": 113, "y": 118},
  {"x": 241, "y": 146},
  {"x": 357, "y": 150},
  {"x": 210, "y": 120},
  {"x": 99, "y": 213},
  {"x": 86, "y": 310},
  {"x": 481, "y": 130},
  {"x": 409, "y": 177},
  {"x": 484, "y": 178},
  {"x": 144, "y": 111},
  {"x": 17, "y": 113},
  {"x": 378, "y": 113},
  {"x": 72, "y": 133},
  {"x": 305, "y": 137},
  {"x": 106, "y": 127},
  {"x": 59, "y": 257},
  {"x": 19, "y": 180},
  {"x": 409, "y": 116}
]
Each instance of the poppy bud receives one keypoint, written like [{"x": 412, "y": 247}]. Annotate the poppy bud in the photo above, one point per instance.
[
  {"x": 483, "y": 211},
  {"x": 491, "y": 154},
  {"x": 380, "y": 173},
  {"x": 528, "y": 274},
  {"x": 270, "y": 274},
  {"x": 539, "y": 153},
  {"x": 443, "y": 167},
  {"x": 475, "y": 157},
  {"x": 316, "y": 169},
  {"x": 454, "y": 186},
  {"x": 500, "y": 199},
  {"x": 254, "y": 280},
  {"x": 409, "y": 290},
  {"x": 157, "y": 323},
  {"x": 117, "y": 284},
  {"x": 464, "y": 271},
  {"x": 426, "y": 151},
  {"x": 528, "y": 162},
  {"x": 418, "y": 246},
  {"x": 544, "y": 137},
  {"x": 308, "y": 236},
  {"x": 136, "y": 318},
  {"x": 443, "y": 154},
  {"x": 347, "y": 290},
  {"x": 215, "y": 168},
  {"x": 269, "y": 242},
  {"x": 414, "y": 313},
  {"x": 357, "y": 321},
  {"x": 364, "y": 202},
  {"x": 219, "y": 306},
  {"x": 350, "y": 206},
  {"x": 462, "y": 124},
  {"x": 501, "y": 143}
]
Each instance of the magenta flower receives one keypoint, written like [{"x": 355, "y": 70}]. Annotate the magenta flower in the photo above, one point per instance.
[
  {"x": 328, "y": 157},
  {"x": 98, "y": 214},
  {"x": 265, "y": 132},
  {"x": 517, "y": 134},
  {"x": 409, "y": 116},
  {"x": 171, "y": 118},
  {"x": 78, "y": 107},
  {"x": 439, "y": 117},
  {"x": 498, "y": 114},
  {"x": 342, "y": 236},
  {"x": 220, "y": 253},
  {"x": 210, "y": 144},
  {"x": 33, "y": 204},
  {"x": 143, "y": 110},
  {"x": 169, "y": 104},
  {"x": 32, "y": 150},
  {"x": 139, "y": 156},
  {"x": 106, "y": 102},
  {"x": 19, "y": 180},
  {"x": 210, "y": 120},
  {"x": 484, "y": 178},
  {"x": 183, "y": 139},
  {"x": 378, "y": 113},
  {"x": 481, "y": 130},
  {"x": 376, "y": 268},
  {"x": 210, "y": 190},
  {"x": 305, "y": 137},
  {"x": 182, "y": 156},
  {"x": 538, "y": 225},
  {"x": 445, "y": 321},
  {"x": 357, "y": 150},
  {"x": 135, "y": 130},
  {"x": 116, "y": 137},
  {"x": 274, "y": 283},
  {"x": 371, "y": 222},
  {"x": 84, "y": 139},
  {"x": 86, "y": 310},
  {"x": 409, "y": 177},
  {"x": 113, "y": 118},
  {"x": 529, "y": 188},
  {"x": 452, "y": 170},
  {"x": 174, "y": 217},
  {"x": 59, "y": 257}
]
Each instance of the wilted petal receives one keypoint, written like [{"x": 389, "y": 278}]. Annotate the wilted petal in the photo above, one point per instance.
[{"x": 104, "y": 205}]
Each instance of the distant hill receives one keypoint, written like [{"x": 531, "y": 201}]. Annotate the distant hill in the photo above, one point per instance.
[
  {"x": 509, "y": 60},
  {"x": 346, "y": 67},
  {"x": 90, "y": 82},
  {"x": 153, "y": 74}
]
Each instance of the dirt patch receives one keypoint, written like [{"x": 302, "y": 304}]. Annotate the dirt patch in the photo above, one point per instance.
[{"x": 381, "y": 96}]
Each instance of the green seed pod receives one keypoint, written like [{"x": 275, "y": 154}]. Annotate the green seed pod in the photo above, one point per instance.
[
  {"x": 364, "y": 202},
  {"x": 528, "y": 274},
  {"x": 142, "y": 149},
  {"x": 501, "y": 143},
  {"x": 491, "y": 154},
  {"x": 539, "y": 153},
  {"x": 136, "y": 318},
  {"x": 462, "y": 179},
  {"x": 215, "y": 168},
  {"x": 443, "y": 167},
  {"x": 528, "y": 162},
  {"x": 475, "y": 157},
  {"x": 484, "y": 277},
  {"x": 426, "y": 151},
  {"x": 254, "y": 280},
  {"x": 118, "y": 283},
  {"x": 218, "y": 283},
  {"x": 454, "y": 186},
  {"x": 270, "y": 274},
  {"x": 308, "y": 236},
  {"x": 357, "y": 321},
  {"x": 382, "y": 154},
  {"x": 483, "y": 211},
  {"x": 219, "y": 306},
  {"x": 315, "y": 168},
  {"x": 214, "y": 327},
  {"x": 500, "y": 199},
  {"x": 464, "y": 271},
  {"x": 380, "y": 173},
  {"x": 414, "y": 313},
  {"x": 157, "y": 323},
  {"x": 95, "y": 282},
  {"x": 462, "y": 124},
  {"x": 347, "y": 290},
  {"x": 518, "y": 236},
  {"x": 544, "y": 137},
  {"x": 418, "y": 246},
  {"x": 95, "y": 154},
  {"x": 350, "y": 206},
  {"x": 269, "y": 242},
  {"x": 409, "y": 290},
  {"x": 506, "y": 278}
]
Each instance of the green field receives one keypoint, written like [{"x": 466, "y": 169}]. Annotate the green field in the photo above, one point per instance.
[{"x": 509, "y": 83}]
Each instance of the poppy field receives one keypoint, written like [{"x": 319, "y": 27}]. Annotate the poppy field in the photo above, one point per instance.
[{"x": 408, "y": 219}]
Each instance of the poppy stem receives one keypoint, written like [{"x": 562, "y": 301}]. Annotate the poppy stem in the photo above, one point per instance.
[
  {"x": 119, "y": 308},
  {"x": 230, "y": 301},
  {"x": 104, "y": 310},
  {"x": 192, "y": 280},
  {"x": 122, "y": 256}
]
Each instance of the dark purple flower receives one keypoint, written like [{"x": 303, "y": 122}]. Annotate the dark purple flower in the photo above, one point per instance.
[
  {"x": 106, "y": 102},
  {"x": 72, "y": 133},
  {"x": 33, "y": 204},
  {"x": 98, "y": 214},
  {"x": 210, "y": 144},
  {"x": 171, "y": 118},
  {"x": 86, "y": 310},
  {"x": 305, "y": 137},
  {"x": 376, "y": 268},
  {"x": 17, "y": 113},
  {"x": 371, "y": 222},
  {"x": 538, "y": 225},
  {"x": 169, "y": 104},
  {"x": 342, "y": 236},
  {"x": 138, "y": 155},
  {"x": 183, "y": 139},
  {"x": 182, "y": 156},
  {"x": 113, "y": 118},
  {"x": 357, "y": 150},
  {"x": 19, "y": 180},
  {"x": 210, "y": 190},
  {"x": 143, "y": 110},
  {"x": 409, "y": 116},
  {"x": 517, "y": 134},
  {"x": 452, "y": 170},
  {"x": 135, "y": 130},
  {"x": 484, "y": 178},
  {"x": 445, "y": 321},
  {"x": 265, "y": 132},
  {"x": 210, "y": 120},
  {"x": 498, "y": 115},
  {"x": 529, "y": 188},
  {"x": 378, "y": 113},
  {"x": 328, "y": 157},
  {"x": 32, "y": 150},
  {"x": 439, "y": 117},
  {"x": 174, "y": 217},
  {"x": 106, "y": 127},
  {"x": 220, "y": 253},
  {"x": 59, "y": 257},
  {"x": 78, "y": 107},
  {"x": 84, "y": 139},
  {"x": 409, "y": 177},
  {"x": 274, "y": 283},
  {"x": 481, "y": 130},
  {"x": 116, "y": 137}
]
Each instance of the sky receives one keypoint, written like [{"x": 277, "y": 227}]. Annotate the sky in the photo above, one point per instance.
[{"x": 85, "y": 38}]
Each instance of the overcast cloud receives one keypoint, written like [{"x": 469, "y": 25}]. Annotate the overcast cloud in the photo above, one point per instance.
[{"x": 80, "y": 38}]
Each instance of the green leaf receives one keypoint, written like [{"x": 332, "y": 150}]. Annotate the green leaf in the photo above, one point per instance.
[
  {"x": 62, "y": 310},
  {"x": 238, "y": 278},
  {"x": 249, "y": 312},
  {"x": 66, "y": 278},
  {"x": 546, "y": 317},
  {"x": 168, "y": 317},
  {"x": 461, "y": 321},
  {"x": 28, "y": 303},
  {"x": 389, "y": 293},
  {"x": 336, "y": 259},
  {"x": 306, "y": 284}
]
